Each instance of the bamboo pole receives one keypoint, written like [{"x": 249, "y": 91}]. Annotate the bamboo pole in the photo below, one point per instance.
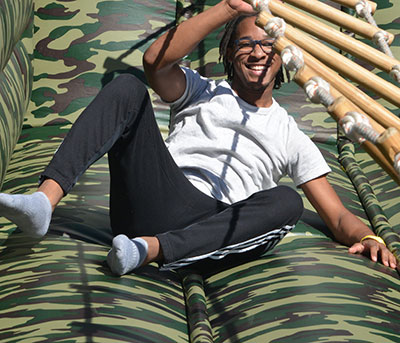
[
  {"x": 341, "y": 105},
  {"x": 389, "y": 139},
  {"x": 353, "y": 3},
  {"x": 363, "y": 101},
  {"x": 384, "y": 158},
  {"x": 379, "y": 158},
  {"x": 339, "y": 18},
  {"x": 389, "y": 142},
  {"x": 332, "y": 36},
  {"x": 338, "y": 62}
]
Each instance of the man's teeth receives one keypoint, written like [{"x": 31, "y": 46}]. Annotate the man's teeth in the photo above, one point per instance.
[{"x": 257, "y": 67}]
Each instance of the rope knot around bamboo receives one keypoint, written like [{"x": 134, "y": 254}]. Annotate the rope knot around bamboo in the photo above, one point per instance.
[
  {"x": 357, "y": 127},
  {"x": 275, "y": 27},
  {"x": 292, "y": 58},
  {"x": 317, "y": 90}
]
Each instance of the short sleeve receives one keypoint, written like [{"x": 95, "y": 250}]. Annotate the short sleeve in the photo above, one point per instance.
[
  {"x": 195, "y": 87},
  {"x": 305, "y": 159}
]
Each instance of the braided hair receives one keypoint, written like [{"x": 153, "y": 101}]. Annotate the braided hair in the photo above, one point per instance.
[{"x": 227, "y": 40}]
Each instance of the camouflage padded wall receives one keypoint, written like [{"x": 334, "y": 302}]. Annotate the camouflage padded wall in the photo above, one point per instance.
[
  {"x": 15, "y": 74},
  {"x": 254, "y": 298},
  {"x": 79, "y": 53},
  {"x": 79, "y": 47},
  {"x": 60, "y": 289}
]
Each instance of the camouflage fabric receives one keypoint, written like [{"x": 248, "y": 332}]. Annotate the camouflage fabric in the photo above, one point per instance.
[
  {"x": 15, "y": 17},
  {"x": 60, "y": 290},
  {"x": 304, "y": 303},
  {"x": 307, "y": 289},
  {"x": 196, "y": 307},
  {"x": 368, "y": 198},
  {"x": 79, "y": 55},
  {"x": 55, "y": 289},
  {"x": 15, "y": 90},
  {"x": 15, "y": 75}
]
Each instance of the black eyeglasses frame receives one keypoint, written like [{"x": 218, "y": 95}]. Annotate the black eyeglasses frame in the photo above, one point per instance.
[{"x": 253, "y": 44}]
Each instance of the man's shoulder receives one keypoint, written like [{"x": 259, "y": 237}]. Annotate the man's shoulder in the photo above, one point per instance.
[{"x": 194, "y": 75}]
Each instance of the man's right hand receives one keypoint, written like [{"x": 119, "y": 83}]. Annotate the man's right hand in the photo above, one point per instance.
[
  {"x": 162, "y": 57},
  {"x": 240, "y": 6}
]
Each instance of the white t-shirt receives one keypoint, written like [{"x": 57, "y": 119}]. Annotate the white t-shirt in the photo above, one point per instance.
[{"x": 230, "y": 149}]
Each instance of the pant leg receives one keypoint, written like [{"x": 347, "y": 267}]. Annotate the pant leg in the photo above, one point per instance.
[
  {"x": 261, "y": 220},
  {"x": 96, "y": 130},
  {"x": 148, "y": 192}
]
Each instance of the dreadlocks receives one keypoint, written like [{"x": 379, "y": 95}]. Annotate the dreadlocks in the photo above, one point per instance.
[{"x": 227, "y": 41}]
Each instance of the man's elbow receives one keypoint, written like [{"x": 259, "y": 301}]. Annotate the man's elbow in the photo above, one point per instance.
[{"x": 149, "y": 61}]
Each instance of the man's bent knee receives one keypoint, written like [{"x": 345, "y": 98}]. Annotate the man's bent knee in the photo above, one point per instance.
[{"x": 291, "y": 201}]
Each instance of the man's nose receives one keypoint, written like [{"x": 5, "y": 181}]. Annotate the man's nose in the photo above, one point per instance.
[{"x": 258, "y": 50}]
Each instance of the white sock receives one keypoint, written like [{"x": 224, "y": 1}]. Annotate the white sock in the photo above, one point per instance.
[
  {"x": 126, "y": 254},
  {"x": 31, "y": 213}
]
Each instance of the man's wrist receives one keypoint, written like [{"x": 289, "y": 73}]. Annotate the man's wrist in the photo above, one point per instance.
[
  {"x": 374, "y": 237},
  {"x": 232, "y": 13}
]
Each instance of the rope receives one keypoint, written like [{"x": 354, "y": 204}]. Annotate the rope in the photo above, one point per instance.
[
  {"x": 318, "y": 91},
  {"x": 261, "y": 5},
  {"x": 292, "y": 58},
  {"x": 275, "y": 27},
  {"x": 357, "y": 128},
  {"x": 395, "y": 72},
  {"x": 363, "y": 9},
  {"x": 381, "y": 38},
  {"x": 396, "y": 163}
]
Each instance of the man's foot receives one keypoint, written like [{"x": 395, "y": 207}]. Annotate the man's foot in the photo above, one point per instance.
[
  {"x": 126, "y": 254},
  {"x": 31, "y": 213}
]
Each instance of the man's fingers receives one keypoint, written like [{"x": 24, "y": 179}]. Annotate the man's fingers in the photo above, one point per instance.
[
  {"x": 379, "y": 251},
  {"x": 392, "y": 261},
  {"x": 375, "y": 251},
  {"x": 388, "y": 259},
  {"x": 356, "y": 248},
  {"x": 385, "y": 257}
]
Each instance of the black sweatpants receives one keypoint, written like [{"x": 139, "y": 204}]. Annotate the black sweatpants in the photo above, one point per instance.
[{"x": 149, "y": 194}]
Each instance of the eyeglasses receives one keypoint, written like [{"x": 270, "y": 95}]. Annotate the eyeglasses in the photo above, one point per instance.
[{"x": 247, "y": 45}]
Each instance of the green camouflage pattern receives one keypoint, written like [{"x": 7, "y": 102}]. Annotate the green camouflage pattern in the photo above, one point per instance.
[
  {"x": 14, "y": 18},
  {"x": 55, "y": 289},
  {"x": 307, "y": 289},
  {"x": 368, "y": 198},
  {"x": 15, "y": 74},
  {"x": 60, "y": 290},
  {"x": 91, "y": 43},
  {"x": 15, "y": 90},
  {"x": 200, "y": 330}
]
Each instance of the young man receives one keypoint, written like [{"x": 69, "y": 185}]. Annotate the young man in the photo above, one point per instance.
[{"x": 211, "y": 190}]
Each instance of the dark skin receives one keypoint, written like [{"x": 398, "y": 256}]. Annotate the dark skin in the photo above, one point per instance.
[
  {"x": 254, "y": 75},
  {"x": 253, "y": 80}
]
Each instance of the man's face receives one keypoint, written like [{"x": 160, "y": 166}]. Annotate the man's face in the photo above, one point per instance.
[{"x": 254, "y": 69}]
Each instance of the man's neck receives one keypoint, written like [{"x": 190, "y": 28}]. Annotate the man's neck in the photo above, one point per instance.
[
  {"x": 263, "y": 101},
  {"x": 258, "y": 98}
]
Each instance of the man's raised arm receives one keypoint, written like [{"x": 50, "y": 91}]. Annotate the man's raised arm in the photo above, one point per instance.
[{"x": 160, "y": 61}]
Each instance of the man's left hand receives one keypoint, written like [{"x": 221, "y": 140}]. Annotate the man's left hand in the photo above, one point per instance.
[{"x": 375, "y": 250}]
